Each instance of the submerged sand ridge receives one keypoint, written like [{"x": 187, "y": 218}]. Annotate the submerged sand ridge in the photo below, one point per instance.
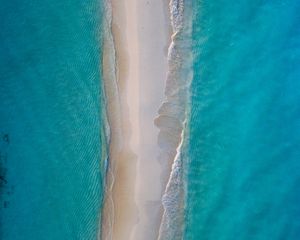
[{"x": 140, "y": 166}]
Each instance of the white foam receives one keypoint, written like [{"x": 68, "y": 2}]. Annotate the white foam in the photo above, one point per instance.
[{"x": 172, "y": 118}]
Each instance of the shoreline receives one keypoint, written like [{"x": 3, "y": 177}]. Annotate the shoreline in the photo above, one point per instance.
[{"x": 174, "y": 116}]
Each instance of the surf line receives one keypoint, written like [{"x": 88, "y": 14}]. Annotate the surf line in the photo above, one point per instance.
[{"x": 173, "y": 118}]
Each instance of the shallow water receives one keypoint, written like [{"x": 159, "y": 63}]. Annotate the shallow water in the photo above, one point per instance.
[
  {"x": 242, "y": 165},
  {"x": 51, "y": 119},
  {"x": 239, "y": 160}
]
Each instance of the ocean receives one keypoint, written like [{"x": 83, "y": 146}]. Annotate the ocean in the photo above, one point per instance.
[
  {"x": 53, "y": 145},
  {"x": 242, "y": 156},
  {"x": 234, "y": 90}
]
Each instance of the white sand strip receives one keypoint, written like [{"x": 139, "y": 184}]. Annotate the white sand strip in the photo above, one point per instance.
[{"x": 141, "y": 35}]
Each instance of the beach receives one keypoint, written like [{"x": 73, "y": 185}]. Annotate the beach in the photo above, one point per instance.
[
  {"x": 154, "y": 39},
  {"x": 134, "y": 83}
]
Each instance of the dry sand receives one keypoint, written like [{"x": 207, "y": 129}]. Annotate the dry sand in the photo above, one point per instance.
[
  {"x": 154, "y": 39},
  {"x": 141, "y": 35}
]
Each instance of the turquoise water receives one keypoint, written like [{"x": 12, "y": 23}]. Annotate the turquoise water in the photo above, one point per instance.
[
  {"x": 241, "y": 155},
  {"x": 50, "y": 119},
  {"x": 243, "y": 169}
]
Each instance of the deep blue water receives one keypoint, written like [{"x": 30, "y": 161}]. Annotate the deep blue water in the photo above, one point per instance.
[
  {"x": 50, "y": 119},
  {"x": 243, "y": 170}
]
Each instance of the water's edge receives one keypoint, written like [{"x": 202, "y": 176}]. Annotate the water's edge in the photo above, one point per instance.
[{"x": 172, "y": 118}]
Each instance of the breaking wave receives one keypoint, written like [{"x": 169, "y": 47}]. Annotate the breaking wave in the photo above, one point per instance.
[{"x": 172, "y": 117}]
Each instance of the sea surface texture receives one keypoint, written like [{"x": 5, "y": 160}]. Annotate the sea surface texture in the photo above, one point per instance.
[
  {"x": 50, "y": 120},
  {"x": 242, "y": 167}
]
